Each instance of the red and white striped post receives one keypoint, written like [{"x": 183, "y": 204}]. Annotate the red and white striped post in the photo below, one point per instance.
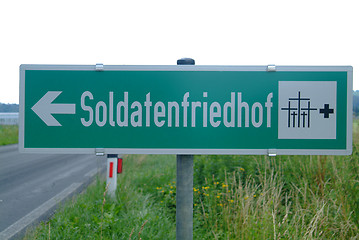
[{"x": 111, "y": 183}]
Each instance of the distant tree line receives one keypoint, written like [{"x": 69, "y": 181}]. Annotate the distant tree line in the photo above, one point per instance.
[
  {"x": 15, "y": 107},
  {"x": 356, "y": 102},
  {"x": 9, "y": 107}
]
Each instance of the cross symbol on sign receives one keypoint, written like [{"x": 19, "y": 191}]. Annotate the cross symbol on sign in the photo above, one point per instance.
[{"x": 326, "y": 110}]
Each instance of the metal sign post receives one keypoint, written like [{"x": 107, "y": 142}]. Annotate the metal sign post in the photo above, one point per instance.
[
  {"x": 184, "y": 194},
  {"x": 184, "y": 197}
]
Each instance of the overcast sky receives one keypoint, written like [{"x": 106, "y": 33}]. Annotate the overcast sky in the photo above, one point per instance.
[{"x": 251, "y": 32}]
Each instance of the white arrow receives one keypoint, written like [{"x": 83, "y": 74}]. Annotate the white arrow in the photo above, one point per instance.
[{"x": 44, "y": 108}]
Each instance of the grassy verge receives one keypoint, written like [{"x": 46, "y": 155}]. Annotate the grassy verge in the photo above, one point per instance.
[
  {"x": 9, "y": 134},
  {"x": 288, "y": 197},
  {"x": 133, "y": 214},
  {"x": 235, "y": 197}
]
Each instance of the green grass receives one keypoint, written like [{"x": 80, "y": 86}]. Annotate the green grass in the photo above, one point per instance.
[
  {"x": 289, "y": 197},
  {"x": 131, "y": 215},
  {"x": 235, "y": 197},
  {"x": 9, "y": 134}
]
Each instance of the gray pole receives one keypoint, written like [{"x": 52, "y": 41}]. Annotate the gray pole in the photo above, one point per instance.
[{"x": 184, "y": 195}]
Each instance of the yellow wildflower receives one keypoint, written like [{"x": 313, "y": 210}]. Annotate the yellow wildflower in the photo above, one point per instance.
[
  {"x": 246, "y": 197},
  {"x": 241, "y": 169}
]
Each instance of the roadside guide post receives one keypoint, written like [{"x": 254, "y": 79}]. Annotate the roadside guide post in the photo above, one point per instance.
[
  {"x": 111, "y": 174},
  {"x": 184, "y": 195}
]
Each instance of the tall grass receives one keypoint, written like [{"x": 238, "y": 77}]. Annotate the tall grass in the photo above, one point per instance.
[
  {"x": 9, "y": 134},
  {"x": 235, "y": 197},
  {"x": 316, "y": 202},
  {"x": 290, "y": 197}
]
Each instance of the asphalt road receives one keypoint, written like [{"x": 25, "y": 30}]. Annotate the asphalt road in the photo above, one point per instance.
[{"x": 30, "y": 181}]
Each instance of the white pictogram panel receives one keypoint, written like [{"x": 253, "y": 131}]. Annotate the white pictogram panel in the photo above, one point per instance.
[{"x": 307, "y": 109}]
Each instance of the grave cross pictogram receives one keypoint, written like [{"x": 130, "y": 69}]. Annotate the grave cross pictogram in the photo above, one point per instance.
[{"x": 299, "y": 113}]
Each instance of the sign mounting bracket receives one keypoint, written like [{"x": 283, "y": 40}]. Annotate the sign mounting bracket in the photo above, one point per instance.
[
  {"x": 99, "y": 151},
  {"x": 99, "y": 67},
  {"x": 271, "y": 68},
  {"x": 272, "y": 152}
]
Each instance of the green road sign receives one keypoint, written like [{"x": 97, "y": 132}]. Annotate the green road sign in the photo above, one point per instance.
[{"x": 186, "y": 109}]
